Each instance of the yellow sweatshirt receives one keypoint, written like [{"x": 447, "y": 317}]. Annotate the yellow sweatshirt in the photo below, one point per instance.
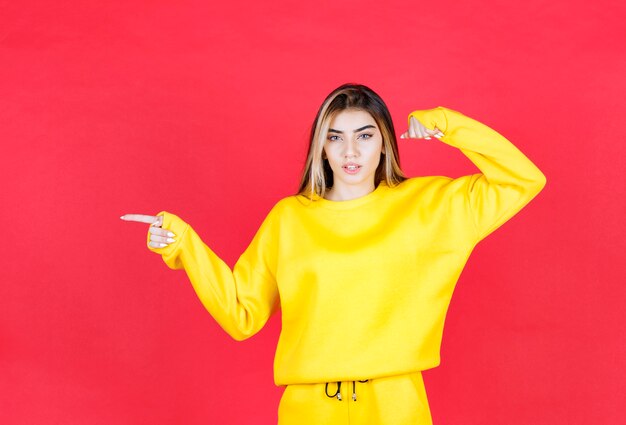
[{"x": 363, "y": 285}]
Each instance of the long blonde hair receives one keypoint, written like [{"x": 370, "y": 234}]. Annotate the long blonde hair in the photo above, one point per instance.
[{"x": 317, "y": 175}]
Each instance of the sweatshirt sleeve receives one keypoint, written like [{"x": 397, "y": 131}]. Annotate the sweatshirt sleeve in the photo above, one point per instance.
[
  {"x": 509, "y": 180},
  {"x": 241, "y": 300}
]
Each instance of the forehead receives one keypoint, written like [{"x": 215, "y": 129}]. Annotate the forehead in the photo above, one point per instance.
[{"x": 351, "y": 119}]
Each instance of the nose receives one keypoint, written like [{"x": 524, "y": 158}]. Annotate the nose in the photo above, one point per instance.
[{"x": 351, "y": 150}]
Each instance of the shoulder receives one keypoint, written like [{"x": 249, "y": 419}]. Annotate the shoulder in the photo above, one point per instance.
[
  {"x": 290, "y": 204},
  {"x": 282, "y": 207},
  {"x": 418, "y": 184},
  {"x": 425, "y": 191}
]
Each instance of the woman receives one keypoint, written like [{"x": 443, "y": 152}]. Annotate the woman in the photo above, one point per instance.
[{"x": 362, "y": 262}]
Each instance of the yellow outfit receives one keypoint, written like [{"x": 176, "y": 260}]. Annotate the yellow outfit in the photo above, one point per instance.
[
  {"x": 394, "y": 400},
  {"x": 363, "y": 285}
]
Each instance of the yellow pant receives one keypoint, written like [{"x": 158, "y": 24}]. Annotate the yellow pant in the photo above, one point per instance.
[{"x": 395, "y": 400}]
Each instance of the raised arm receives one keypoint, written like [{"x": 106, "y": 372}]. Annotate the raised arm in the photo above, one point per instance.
[
  {"x": 242, "y": 299},
  {"x": 509, "y": 180}
]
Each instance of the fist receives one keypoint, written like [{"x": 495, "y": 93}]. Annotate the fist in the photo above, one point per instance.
[{"x": 418, "y": 131}]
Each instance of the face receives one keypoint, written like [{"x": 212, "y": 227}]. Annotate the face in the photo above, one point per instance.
[{"x": 353, "y": 147}]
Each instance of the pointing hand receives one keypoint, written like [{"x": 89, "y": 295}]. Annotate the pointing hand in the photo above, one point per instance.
[{"x": 159, "y": 237}]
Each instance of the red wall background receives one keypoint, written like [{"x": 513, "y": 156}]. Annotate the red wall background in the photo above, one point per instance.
[{"x": 203, "y": 109}]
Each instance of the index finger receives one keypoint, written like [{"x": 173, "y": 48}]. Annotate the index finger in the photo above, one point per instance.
[{"x": 141, "y": 218}]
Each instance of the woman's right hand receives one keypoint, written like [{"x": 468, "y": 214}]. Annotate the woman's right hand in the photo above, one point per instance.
[{"x": 159, "y": 237}]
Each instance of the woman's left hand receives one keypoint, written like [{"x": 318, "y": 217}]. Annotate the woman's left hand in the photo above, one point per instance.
[{"x": 418, "y": 131}]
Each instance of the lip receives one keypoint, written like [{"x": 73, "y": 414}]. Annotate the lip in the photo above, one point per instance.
[{"x": 351, "y": 171}]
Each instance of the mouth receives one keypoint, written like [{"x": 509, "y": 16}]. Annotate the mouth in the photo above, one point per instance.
[{"x": 351, "y": 168}]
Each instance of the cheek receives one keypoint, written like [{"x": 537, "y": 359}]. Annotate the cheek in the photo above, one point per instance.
[
  {"x": 331, "y": 153},
  {"x": 375, "y": 151}
]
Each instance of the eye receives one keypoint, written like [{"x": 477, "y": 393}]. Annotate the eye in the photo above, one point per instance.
[
  {"x": 365, "y": 136},
  {"x": 333, "y": 138}
]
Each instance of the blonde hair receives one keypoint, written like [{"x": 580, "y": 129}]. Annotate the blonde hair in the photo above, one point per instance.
[{"x": 317, "y": 175}]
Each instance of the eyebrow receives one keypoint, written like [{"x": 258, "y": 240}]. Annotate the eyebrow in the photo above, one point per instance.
[{"x": 332, "y": 130}]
